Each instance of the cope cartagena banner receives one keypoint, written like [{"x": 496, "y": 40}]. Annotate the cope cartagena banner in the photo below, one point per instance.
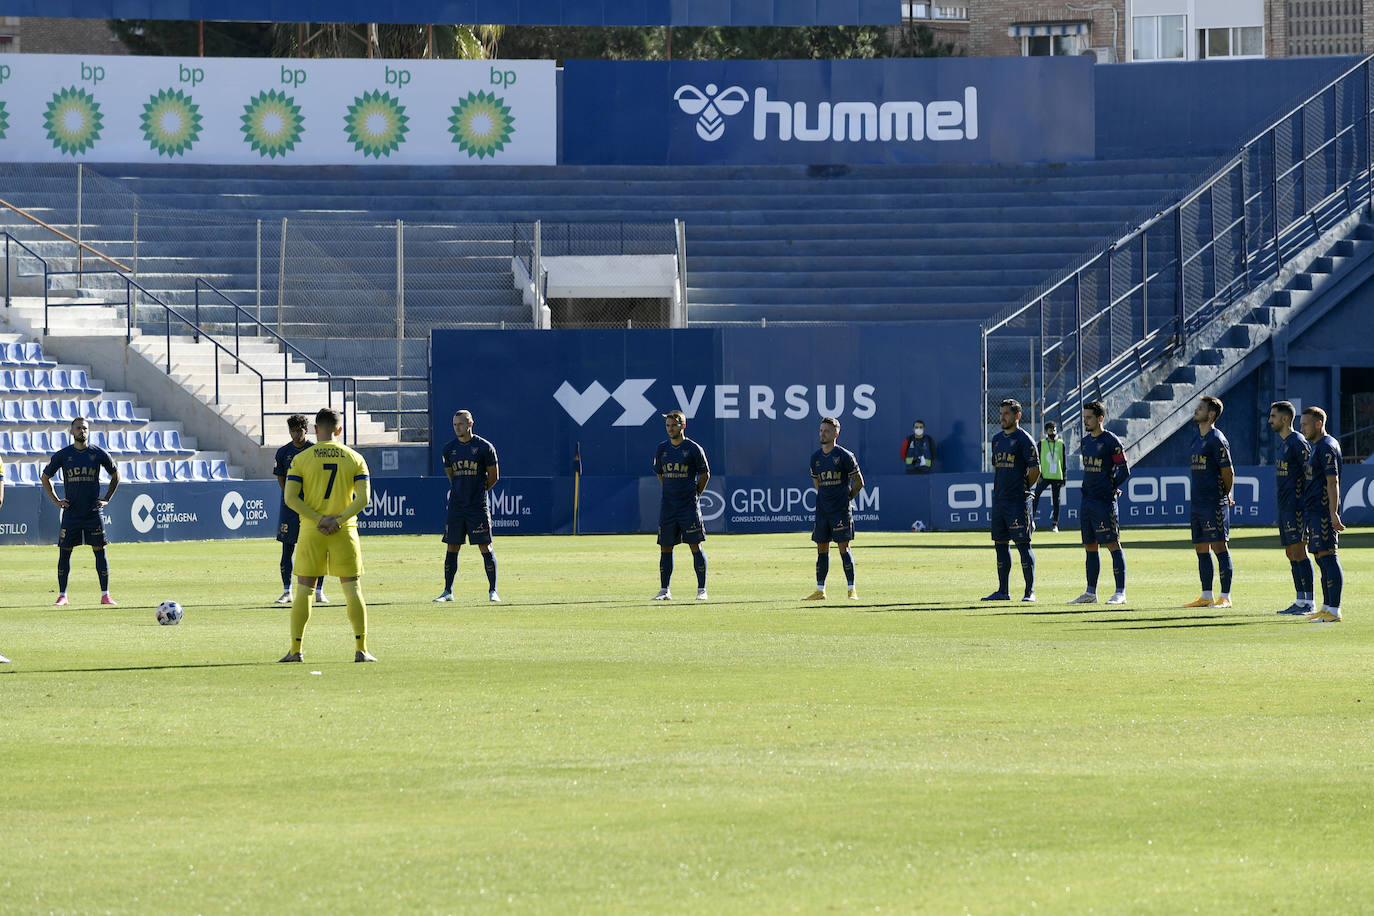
[
  {"x": 753, "y": 397},
  {"x": 931, "y": 110},
  {"x": 243, "y": 111}
]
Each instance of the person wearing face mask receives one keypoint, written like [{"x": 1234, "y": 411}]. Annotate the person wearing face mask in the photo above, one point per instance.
[
  {"x": 918, "y": 450},
  {"x": 1051, "y": 471}
]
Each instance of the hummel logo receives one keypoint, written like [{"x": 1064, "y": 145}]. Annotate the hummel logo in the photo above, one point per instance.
[
  {"x": 580, "y": 405},
  {"x": 713, "y": 106}
]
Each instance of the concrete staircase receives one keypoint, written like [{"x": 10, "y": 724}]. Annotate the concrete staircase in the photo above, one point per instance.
[{"x": 1154, "y": 406}]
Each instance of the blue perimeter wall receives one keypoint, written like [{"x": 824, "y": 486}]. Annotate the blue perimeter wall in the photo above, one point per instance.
[{"x": 627, "y": 504}]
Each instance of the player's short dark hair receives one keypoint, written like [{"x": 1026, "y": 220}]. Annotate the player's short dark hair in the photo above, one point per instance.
[
  {"x": 76, "y": 420},
  {"x": 1014, "y": 404},
  {"x": 1285, "y": 408},
  {"x": 1213, "y": 405},
  {"x": 328, "y": 416},
  {"x": 832, "y": 421},
  {"x": 296, "y": 421},
  {"x": 676, "y": 414},
  {"x": 1051, "y": 426},
  {"x": 463, "y": 413},
  {"x": 918, "y": 422},
  {"x": 1316, "y": 413},
  {"x": 1096, "y": 408}
]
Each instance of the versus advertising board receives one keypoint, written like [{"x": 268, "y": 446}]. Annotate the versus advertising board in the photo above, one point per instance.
[
  {"x": 525, "y": 12},
  {"x": 753, "y": 397},
  {"x": 925, "y": 110},
  {"x": 244, "y": 111}
]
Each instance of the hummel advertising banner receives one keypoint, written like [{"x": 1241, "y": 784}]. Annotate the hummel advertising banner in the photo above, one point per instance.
[
  {"x": 242, "y": 111},
  {"x": 496, "y": 12},
  {"x": 1017, "y": 109},
  {"x": 753, "y": 397}
]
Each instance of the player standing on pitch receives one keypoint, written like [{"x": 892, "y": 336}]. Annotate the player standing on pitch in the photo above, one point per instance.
[
  {"x": 81, "y": 523},
  {"x": 835, "y": 473},
  {"x": 683, "y": 472},
  {"x": 289, "y": 523},
  {"x": 1015, "y": 469},
  {"x": 1321, "y": 511},
  {"x": 1212, "y": 480},
  {"x": 470, "y": 463},
  {"x": 1289, "y": 471},
  {"x": 1104, "y": 471}
]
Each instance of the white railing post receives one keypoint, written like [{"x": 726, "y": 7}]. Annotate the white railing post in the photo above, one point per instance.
[
  {"x": 281, "y": 277},
  {"x": 680, "y": 310},
  {"x": 536, "y": 277},
  {"x": 400, "y": 314}
]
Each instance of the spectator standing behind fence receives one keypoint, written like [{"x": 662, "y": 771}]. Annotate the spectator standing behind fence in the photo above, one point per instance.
[
  {"x": 1051, "y": 472},
  {"x": 918, "y": 450}
]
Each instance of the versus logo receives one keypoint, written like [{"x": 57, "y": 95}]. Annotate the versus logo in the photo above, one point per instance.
[
  {"x": 712, "y": 107},
  {"x": 905, "y": 120},
  {"x": 759, "y": 401}
]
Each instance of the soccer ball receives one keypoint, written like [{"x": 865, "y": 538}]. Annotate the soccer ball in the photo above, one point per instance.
[{"x": 169, "y": 613}]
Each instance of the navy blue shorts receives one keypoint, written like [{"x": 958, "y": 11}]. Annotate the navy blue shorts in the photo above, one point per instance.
[
  {"x": 472, "y": 524},
  {"x": 1098, "y": 522},
  {"x": 77, "y": 531},
  {"x": 1012, "y": 522},
  {"x": 681, "y": 528},
  {"x": 1291, "y": 528},
  {"x": 833, "y": 526},
  {"x": 289, "y": 526},
  {"x": 1211, "y": 526},
  {"x": 1321, "y": 537}
]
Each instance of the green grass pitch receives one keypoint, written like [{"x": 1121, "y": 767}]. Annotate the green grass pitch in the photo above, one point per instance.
[{"x": 578, "y": 749}]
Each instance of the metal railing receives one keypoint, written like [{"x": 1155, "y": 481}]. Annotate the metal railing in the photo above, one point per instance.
[{"x": 1124, "y": 310}]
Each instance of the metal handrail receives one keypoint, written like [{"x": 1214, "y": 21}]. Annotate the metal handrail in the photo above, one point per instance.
[
  {"x": 33, "y": 254},
  {"x": 58, "y": 232},
  {"x": 1252, "y": 264}
]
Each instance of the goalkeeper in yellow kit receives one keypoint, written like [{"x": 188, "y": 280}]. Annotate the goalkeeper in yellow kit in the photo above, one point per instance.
[{"x": 327, "y": 485}]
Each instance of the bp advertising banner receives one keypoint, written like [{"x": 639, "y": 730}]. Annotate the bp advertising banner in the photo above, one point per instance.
[
  {"x": 241, "y": 111},
  {"x": 1018, "y": 109}
]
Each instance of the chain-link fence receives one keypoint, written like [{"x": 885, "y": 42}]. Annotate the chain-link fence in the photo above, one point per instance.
[{"x": 1101, "y": 326}]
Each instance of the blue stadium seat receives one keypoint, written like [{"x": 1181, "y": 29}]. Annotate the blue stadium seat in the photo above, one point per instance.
[
  {"x": 40, "y": 443},
  {"x": 104, "y": 411},
  {"x": 163, "y": 472},
  {"x": 69, "y": 409},
  {"x": 219, "y": 469},
  {"x": 29, "y": 413},
  {"x": 6, "y": 380},
  {"x": 60, "y": 439},
  {"x": 6, "y": 444},
  {"x": 185, "y": 471},
  {"x": 9, "y": 412},
  {"x": 53, "y": 379},
  {"x": 142, "y": 471},
  {"x": 23, "y": 380},
  {"x": 11, "y": 354},
  {"x": 33, "y": 355},
  {"x": 99, "y": 438},
  {"x": 114, "y": 442},
  {"x": 30, "y": 475},
  {"x": 77, "y": 380},
  {"x": 171, "y": 441},
  {"x": 50, "y": 410},
  {"x": 124, "y": 411},
  {"x": 21, "y": 443}
]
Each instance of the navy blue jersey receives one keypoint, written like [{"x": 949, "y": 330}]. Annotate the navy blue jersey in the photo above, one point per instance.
[
  {"x": 1104, "y": 467},
  {"x": 467, "y": 464},
  {"x": 80, "y": 476},
  {"x": 1291, "y": 469},
  {"x": 1210, "y": 454},
  {"x": 1013, "y": 455},
  {"x": 1322, "y": 465},
  {"x": 285, "y": 455},
  {"x": 833, "y": 472},
  {"x": 679, "y": 466}
]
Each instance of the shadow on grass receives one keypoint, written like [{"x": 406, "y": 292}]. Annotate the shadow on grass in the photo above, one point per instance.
[
  {"x": 148, "y": 667},
  {"x": 1182, "y": 623}
]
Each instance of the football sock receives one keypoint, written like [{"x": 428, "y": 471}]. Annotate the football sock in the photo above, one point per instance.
[
  {"x": 1303, "y": 578},
  {"x": 489, "y": 564},
  {"x": 286, "y": 551},
  {"x": 1027, "y": 566},
  {"x": 699, "y": 564},
  {"x": 1333, "y": 580},
  {"x": 1204, "y": 572},
  {"x": 1119, "y": 569},
  {"x": 847, "y": 561},
  {"x": 319, "y": 587},
  {"x": 1003, "y": 567},
  {"x": 1094, "y": 566},
  {"x": 300, "y": 614},
  {"x": 357, "y": 613},
  {"x": 822, "y": 570},
  {"x": 64, "y": 569},
  {"x": 102, "y": 570},
  {"x": 450, "y": 569},
  {"x": 1224, "y": 567},
  {"x": 665, "y": 569}
]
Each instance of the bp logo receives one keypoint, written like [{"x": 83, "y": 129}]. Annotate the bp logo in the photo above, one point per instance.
[
  {"x": 4, "y": 120},
  {"x": 376, "y": 124},
  {"x": 712, "y": 107},
  {"x": 171, "y": 122},
  {"x": 481, "y": 124},
  {"x": 272, "y": 123},
  {"x": 73, "y": 120}
]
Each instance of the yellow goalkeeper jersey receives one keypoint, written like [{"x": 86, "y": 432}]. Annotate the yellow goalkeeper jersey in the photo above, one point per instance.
[{"x": 326, "y": 473}]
